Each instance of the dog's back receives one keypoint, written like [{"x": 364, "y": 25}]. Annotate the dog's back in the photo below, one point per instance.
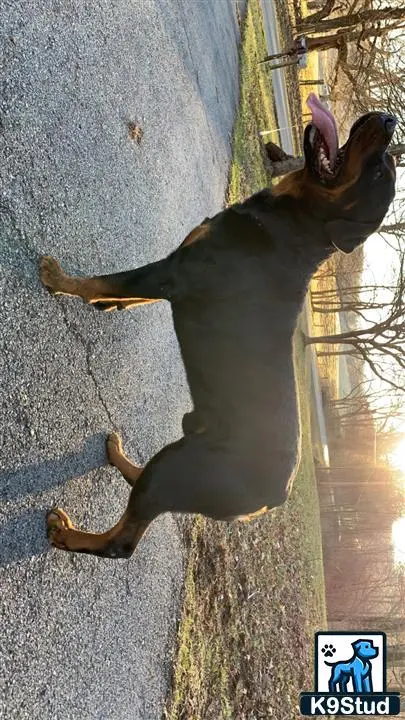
[{"x": 236, "y": 342}]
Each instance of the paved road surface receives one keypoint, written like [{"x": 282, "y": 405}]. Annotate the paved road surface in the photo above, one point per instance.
[
  {"x": 83, "y": 638},
  {"x": 269, "y": 8}
]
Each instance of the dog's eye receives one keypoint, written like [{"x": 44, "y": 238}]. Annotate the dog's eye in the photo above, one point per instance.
[{"x": 378, "y": 174}]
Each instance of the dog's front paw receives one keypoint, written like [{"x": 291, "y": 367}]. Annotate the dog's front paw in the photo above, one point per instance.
[
  {"x": 51, "y": 274},
  {"x": 57, "y": 522},
  {"x": 114, "y": 448}
]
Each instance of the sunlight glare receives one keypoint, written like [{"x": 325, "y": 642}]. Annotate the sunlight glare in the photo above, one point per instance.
[{"x": 397, "y": 457}]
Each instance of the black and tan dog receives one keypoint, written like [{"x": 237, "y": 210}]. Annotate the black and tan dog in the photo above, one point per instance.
[{"x": 236, "y": 286}]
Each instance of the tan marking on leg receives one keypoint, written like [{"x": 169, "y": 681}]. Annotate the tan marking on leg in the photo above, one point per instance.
[
  {"x": 53, "y": 277},
  {"x": 63, "y": 535},
  {"x": 58, "y": 283},
  {"x": 57, "y": 521},
  {"x": 122, "y": 304},
  {"x": 117, "y": 457},
  {"x": 253, "y": 515},
  {"x": 91, "y": 290}
]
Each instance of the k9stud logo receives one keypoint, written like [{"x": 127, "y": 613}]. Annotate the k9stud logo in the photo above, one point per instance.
[{"x": 350, "y": 676}]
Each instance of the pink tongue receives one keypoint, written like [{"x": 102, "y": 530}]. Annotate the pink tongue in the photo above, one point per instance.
[{"x": 325, "y": 122}]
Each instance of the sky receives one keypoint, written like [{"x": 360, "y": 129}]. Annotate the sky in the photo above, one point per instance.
[{"x": 380, "y": 261}]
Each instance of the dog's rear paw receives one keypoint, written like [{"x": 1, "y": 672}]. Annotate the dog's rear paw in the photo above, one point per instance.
[
  {"x": 51, "y": 274},
  {"x": 114, "y": 448},
  {"x": 56, "y": 522}
]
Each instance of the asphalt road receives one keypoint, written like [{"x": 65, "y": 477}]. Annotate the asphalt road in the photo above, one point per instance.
[{"x": 83, "y": 638}]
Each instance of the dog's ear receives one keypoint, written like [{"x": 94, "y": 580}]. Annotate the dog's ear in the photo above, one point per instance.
[{"x": 347, "y": 235}]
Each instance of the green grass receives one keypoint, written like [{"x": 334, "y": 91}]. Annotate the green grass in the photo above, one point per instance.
[
  {"x": 305, "y": 499},
  {"x": 256, "y": 112},
  {"x": 254, "y": 592}
]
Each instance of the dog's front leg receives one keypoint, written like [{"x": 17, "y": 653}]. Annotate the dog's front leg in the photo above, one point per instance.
[
  {"x": 358, "y": 682},
  {"x": 367, "y": 684},
  {"x": 121, "y": 290}
]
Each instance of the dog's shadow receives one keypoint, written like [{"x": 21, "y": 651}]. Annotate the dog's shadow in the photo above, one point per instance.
[{"x": 23, "y": 533}]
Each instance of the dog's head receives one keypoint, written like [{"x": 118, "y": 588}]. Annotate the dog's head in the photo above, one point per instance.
[
  {"x": 348, "y": 188},
  {"x": 365, "y": 649}
]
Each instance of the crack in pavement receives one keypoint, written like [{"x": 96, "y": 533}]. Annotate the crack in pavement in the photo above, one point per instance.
[{"x": 87, "y": 349}]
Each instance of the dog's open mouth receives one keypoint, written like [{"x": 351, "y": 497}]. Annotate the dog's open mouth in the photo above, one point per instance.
[{"x": 323, "y": 138}]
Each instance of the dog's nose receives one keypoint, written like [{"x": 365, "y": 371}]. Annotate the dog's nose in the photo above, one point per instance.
[{"x": 389, "y": 123}]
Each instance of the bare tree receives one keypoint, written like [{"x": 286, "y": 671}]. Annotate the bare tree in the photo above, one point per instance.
[
  {"x": 365, "y": 404},
  {"x": 314, "y": 44},
  {"x": 325, "y": 10},
  {"x": 394, "y": 15},
  {"x": 352, "y": 299},
  {"x": 374, "y": 71},
  {"x": 380, "y": 344}
]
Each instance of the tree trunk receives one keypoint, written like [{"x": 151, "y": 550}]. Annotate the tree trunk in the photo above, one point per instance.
[
  {"x": 345, "y": 338},
  {"x": 335, "y": 42},
  {"x": 324, "y": 42},
  {"x": 324, "y": 11},
  {"x": 379, "y": 622},
  {"x": 351, "y": 20}
]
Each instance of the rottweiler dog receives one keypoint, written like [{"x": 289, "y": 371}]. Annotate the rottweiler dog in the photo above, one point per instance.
[{"x": 236, "y": 286}]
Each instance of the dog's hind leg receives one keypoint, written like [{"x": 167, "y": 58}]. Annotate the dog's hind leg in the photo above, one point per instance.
[
  {"x": 117, "y": 457},
  {"x": 344, "y": 681},
  {"x": 188, "y": 476},
  {"x": 334, "y": 680},
  {"x": 119, "y": 542},
  {"x": 121, "y": 290}
]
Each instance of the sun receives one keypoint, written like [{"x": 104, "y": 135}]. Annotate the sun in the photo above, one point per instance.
[{"x": 397, "y": 456}]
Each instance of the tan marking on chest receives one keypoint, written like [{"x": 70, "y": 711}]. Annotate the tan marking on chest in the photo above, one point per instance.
[{"x": 198, "y": 233}]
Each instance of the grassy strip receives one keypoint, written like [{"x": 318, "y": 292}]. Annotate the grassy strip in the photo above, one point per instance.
[
  {"x": 256, "y": 112},
  {"x": 253, "y": 592}
]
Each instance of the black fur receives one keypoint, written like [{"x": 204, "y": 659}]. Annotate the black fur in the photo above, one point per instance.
[{"x": 236, "y": 287}]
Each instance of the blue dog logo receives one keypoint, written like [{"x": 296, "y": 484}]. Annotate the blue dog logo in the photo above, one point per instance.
[
  {"x": 357, "y": 686},
  {"x": 358, "y": 669}
]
